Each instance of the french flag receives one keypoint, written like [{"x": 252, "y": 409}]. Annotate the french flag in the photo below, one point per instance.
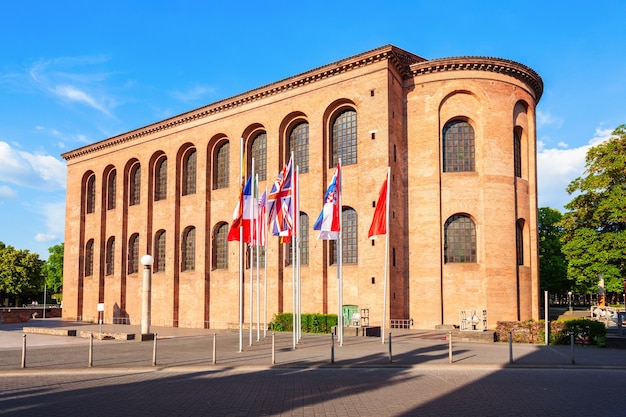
[{"x": 243, "y": 214}]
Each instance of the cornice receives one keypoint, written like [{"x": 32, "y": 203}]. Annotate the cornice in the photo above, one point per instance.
[{"x": 480, "y": 63}]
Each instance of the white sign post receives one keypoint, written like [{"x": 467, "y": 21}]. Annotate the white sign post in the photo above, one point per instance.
[{"x": 100, "y": 314}]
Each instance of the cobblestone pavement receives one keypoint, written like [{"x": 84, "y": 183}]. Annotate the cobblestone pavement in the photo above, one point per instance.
[{"x": 360, "y": 378}]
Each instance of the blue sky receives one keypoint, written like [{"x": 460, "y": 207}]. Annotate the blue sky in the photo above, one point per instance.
[{"x": 76, "y": 72}]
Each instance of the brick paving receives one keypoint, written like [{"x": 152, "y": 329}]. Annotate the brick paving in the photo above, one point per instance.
[{"x": 420, "y": 380}]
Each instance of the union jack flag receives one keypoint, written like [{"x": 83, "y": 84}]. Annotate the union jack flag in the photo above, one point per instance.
[{"x": 280, "y": 204}]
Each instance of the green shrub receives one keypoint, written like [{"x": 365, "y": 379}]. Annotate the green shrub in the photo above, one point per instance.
[
  {"x": 586, "y": 332},
  {"x": 311, "y": 323}
]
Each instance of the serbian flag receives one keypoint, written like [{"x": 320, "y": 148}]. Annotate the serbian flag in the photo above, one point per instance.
[
  {"x": 280, "y": 203},
  {"x": 328, "y": 221},
  {"x": 379, "y": 222},
  {"x": 243, "y": 214}
]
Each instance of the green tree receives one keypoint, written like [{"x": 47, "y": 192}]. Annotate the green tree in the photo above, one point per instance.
[
  {"x": 20, "y": 273},
  {"x": 53, "y": 268},
  {"x": 552, "y": 262},
  {"x": 594, "y": 228}
]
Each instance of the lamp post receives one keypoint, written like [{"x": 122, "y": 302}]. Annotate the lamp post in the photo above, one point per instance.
[
  {"x": 147, "y": 262},
  {"x": 569, "y": 300}
]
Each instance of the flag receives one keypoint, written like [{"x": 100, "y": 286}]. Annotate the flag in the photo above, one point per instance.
[
  {"x": 279, "y": 202},
  {"x": 243, "y": 214},
  {"x": 328, "y": 221},
  {"x": 379, "y": 222},
  {"x": 260, "y": 229}
]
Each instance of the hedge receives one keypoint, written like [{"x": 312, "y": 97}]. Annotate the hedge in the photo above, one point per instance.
[
  {"x": 311, "y": 323},
  {"x": 586, "y": 332}
]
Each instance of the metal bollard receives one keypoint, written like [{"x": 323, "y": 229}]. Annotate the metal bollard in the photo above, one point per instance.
[
  {"x": 154, "y": 349},
  {"x": 511, "y": 347},
  {"x": 571, "y": 342},
  {"x": 214, "y": 349},
  {"x": 273, "y": 349},
  {"x": 390, "y": 354},
  {"x": 90, "y": 364},
  {"x": 332, "y": 348},
  {"x": 24, "y": 352},
  {"x": 450, "y": 347}
]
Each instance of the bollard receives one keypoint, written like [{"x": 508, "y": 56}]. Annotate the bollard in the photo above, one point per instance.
[
  {"x": 273, "y": 349},
  {"x": 390, "y": 354},
  {"x": 332, "y": 348},
  {"x": 90, "y": 364},
  {"x": 24, "y": 352},
  {"x": 214, "y": 349},
  {"x": 154, "y": 349},
  {"x": 511, "y": 347},
  {"x": 571, "y": 342},
  {"x": 450, "y": 346}
]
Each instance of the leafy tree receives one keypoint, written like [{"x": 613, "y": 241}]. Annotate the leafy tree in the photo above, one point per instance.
[
  {"x": 594, "y": 228},
  {"x": 53, "y": 268},
  {"x": 552, "y": 262},
  {"x": 20, "y": 272}
]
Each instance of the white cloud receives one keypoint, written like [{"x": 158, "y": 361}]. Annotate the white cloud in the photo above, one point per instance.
[
  {"x": 557, "y": 167},
  {"x": 30, "y": 170},
  {"x": 54, "y": 215},
  {"x": 7, "y": 193},
  {"x": 42, "y": 237},
  {"x": 546, "y": 118},
  {"x": 193, "y": 94},
  {"x": 72, "y": 93}
]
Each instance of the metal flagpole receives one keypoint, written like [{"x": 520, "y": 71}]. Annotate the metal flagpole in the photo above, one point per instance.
[
  {"x": 251, "y": 246},
  {"x": 382, "y": 335},
  {"x": 265, "y": 225},
  {"x": 298, "y": 243},
  {"x": 258, "y": 247},
  {"x": 293, "y": 258},
  {"x": 241, "y": 269},
  {"x": 339, "y": 262}
]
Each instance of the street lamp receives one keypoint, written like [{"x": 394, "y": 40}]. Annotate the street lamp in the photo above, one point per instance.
[
  {"x": 569, "y": 300},
  {"x": 147, "y": 262}
]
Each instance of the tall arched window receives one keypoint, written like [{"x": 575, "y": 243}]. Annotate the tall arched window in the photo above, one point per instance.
[
  {"x": 519, "y": 241},
  {"x": 188, "y": 254},
  {"x": 160, "y": 176},
  {"x": 221, "y": 166},
  {"x": 90, "y": 194},
  {"x": 134, "y": 184},
  {"x": 303, "y": 230},
  {"x": 160, "y": 254},
  {"x": 189, "y": 173},
  {"x": 460, "y": 239},
  {"x": 111, "y": 189},
  {"x": 89, "y": 258},
  {"x": 458, "y": 147},
  {"x": 299, "y": 145},
  {"x": 133, "y": 254},
  {"x": 517, "y": 151},
  {"x": 219, "y": 254},
  {"x": 344, "y": 139},
  {"x": 349, "y": 242},
  {"x": 110, "y": 257},
  {"x": 258, "y": 152}
]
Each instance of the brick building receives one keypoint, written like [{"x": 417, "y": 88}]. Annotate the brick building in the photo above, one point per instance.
[{"x": 459, "y": 135}]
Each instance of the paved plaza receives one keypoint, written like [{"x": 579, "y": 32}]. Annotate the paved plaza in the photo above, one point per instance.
[{"x": 360, "y": 378}]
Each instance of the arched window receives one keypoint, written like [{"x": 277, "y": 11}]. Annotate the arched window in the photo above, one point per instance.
[
  {"x": 90, "y": 194},
  {"x": 458, "y": 147},
  {"x": 349, "y": 242},
  {"x": 517, "y": 151},
  {"x": 110, "y": 257},
  {"x": 221, "y": 166},
  {"x": 344, "y": 139},
  {"x": 220, "y": 247},
  {"x": 189, "y": 173},
  {"x": 160, "y": 176},
  {"x": 188, "y": 254},
  {"x": 133, "y": 254},
  {"x": 299, "y": 145},
  {"x": 134, "y": 184},
  {"x": 89, "y": 258},
  {"x": 303, "y": 230},
  {"x": 111, "y": 189},
  {"x": 258, "y": 152},
  {"x": 460, "y": 240},
  {"x": 160, "y": 256},
  {"x": 519, "y": 241}
]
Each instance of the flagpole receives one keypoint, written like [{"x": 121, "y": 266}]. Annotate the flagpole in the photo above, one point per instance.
[
  {"x": 257, "y": 230},
  {"x": 297, "y": 228},
  {"x": 251, "y": 246},
  {"x": 340, "y": 261},
  {"x": 241, "y": 269},
  {"x": 265, "y": 237},
  {"x": 294, "y": 237},
  {"x": 386, "y": 255}
]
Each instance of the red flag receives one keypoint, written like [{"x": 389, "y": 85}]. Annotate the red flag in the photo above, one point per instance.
[
  {"x": 242, "y": 216},
  {"x": 379, "y": 222}
]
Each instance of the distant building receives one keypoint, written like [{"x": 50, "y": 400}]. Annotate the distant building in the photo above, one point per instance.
[{"x": 458, "y": 133}]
